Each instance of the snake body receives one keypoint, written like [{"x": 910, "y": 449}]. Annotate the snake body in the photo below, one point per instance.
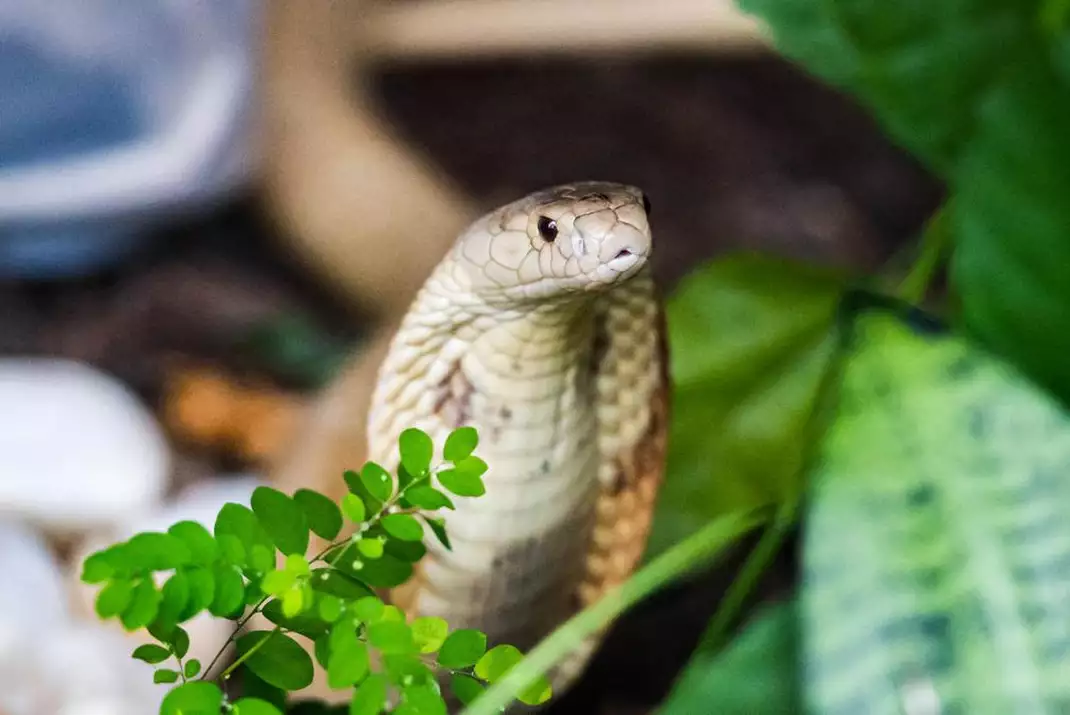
[{"x": 541, "y": 328}]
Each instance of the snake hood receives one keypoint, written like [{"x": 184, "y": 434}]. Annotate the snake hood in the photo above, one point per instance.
[{"x": 582, "y": 237}]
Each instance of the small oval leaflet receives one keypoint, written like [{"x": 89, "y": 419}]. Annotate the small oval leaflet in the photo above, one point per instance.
[
  {"x": 417, "y": 450},
  {"x": 460, "y": 444},
  {"x": 280, "y": 661},
  {"x": 403, "y": 526},
  {"x": 377, "y": 481},
  {"x": 282, "y": 518},
  {"x": 462, "y": 648}
]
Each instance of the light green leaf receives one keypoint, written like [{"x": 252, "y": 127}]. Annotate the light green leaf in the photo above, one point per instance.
[
  {"x": 151, "y": 653},
  {"x": 403, "y": 526},
  {"x": 330, "y": 607},
  {"x": 460, "y": 444},
  {"x": 197, "y": 698},
  {"x": 462, "y": 649},
  {"x": 465, "y": 479},
  {"x": 391, "y": 637},
  {"x": 758, "y": 674},
  {"x": 236, "y": 522},
  {"x": 371, "y": 548},
  {"x": 143, "y": 606},
  {"x": 201, "y": 591},
  {"x": 429, "y": 633},
  {"x": 937, "y": 550},
  {"x": 429, "y": 498},
  {"x": 152, "y": 551},
  {"x": 293, "y": 602},
  {"x": 348, "y": 662},
  {"x": 497, "y": 661},
  {"x": 322, "y": 514},
  {"x": 417, "y": 450},
  {"x": 280, "y": 661},
  {"x": 353, "y": 507},
  {"x": 282, "y": 518},
  {"x": 202, "y": 547},
  {"x": 369, "y": 609},
  {"x": 308, "y": 623},
  {"x": 536, "y": 693},
  {"x": 98, "y": 567},
  {"x": 750, "y": 340},
  {"x": 377, "y": 481},
  {"x": 423, "y": 699},
  {"x": 229, "y": 598},
  {"x": 370, "y": 697},
  {"x": 254, "y": 706},
  {"x": 174, "y": 599},
  {"x": 114, "y": 598},
  {"x": 278, "y": 582}
]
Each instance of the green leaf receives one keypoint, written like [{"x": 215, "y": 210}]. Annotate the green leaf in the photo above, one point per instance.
[
  {"x": 460, "y": 444},
  {"x": 370, "y": 548},
  {"x": 202, "y": 547},
  {"x": 308, "y": 624},
  {"x": 370, "y": 697},
  {"x": 279, "y": 661},
  {"x": 236, "y": 522},
  {"x": 377, "y": 481},
  {"x": 498, "y": 661},
  {"x": 424, "y": 699},
  {"x": 391, "y": 637},
  {"x": 758, "y": 674},
  {"x": 329, "y": 607},
  {"x": 403, "y": 526},
  {"x": 144, "y": 603},
  {"x": 192, "y": 668},
  {"x": 429, "y": 633},
  {"x": 278, "y": 582},
  {"x": 407, "y": 551},
  {"x": 165, "y": 675},
  {"x": 462, "y": 649},
  {"x": 429, "y": 498},
  {"x": 466, "y": 688},
  {"x": 229, "y": 598},
  {"x": 231, "y": 549},
  {"x": 406, "y": 670},
  {"x": 197, "y": 698},
  {"x": 369, "y": 609},
  {"x": 293, "y": 602},
  {"x": 383, "y": 572},
  {"x": 114, "y": 598},
  {"x": 348, "y": 662},
  {"x": 536, "y": 692},
  {"x": 465, "y": 478},
  {"x": 936, "y": 534},
  {"x": 417, "y": 451},
  {"x": 322, "y": 514},
  {"x": 174, "y": 597},
  {"x": 152, "y": 551},
  {"x": 747, "y": 370},
  {"x": 201, "y": 591},
  {"x": 180, "y": 642},
  {"x": 151, "y": 653},
  {"x": 353, "y": 507},
  {"x": 254, "y": 706},
  {"x": 438, "y": 528},
  {"x": 338, "y": 584},
  {"x": 282, "y": 519},
  {"x": 98, "y": 568}
]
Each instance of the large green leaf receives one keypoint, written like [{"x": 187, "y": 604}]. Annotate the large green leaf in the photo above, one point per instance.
[
  {"x": 751, "y": 338},
  {"x": 756, "y": 675},
  {"x": 937, "y": 544}
]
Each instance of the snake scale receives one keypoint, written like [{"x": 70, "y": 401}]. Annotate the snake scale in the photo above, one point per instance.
[{"x": 542, "y": 328}]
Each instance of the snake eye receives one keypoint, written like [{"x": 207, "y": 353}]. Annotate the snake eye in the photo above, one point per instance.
[
  {"x": 646, "y": 204},
  {"x": 547, "y": 228}
]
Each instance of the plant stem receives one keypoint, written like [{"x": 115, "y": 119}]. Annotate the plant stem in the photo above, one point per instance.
[
  {"x": 247, "y": 654},
  {"x": 935, "y": 240},
  {"x": 237, "y": 627},
  {"x": 698, "y": 548}
]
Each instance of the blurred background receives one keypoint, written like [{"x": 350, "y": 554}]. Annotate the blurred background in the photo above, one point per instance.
[{"x": 208, "y": 206}]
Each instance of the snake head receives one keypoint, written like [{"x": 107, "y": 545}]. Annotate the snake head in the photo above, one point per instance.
[{"x": 572, "y": 239}]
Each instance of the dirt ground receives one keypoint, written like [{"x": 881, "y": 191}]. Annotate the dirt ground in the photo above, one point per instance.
[{"x": 733, "y": 154}]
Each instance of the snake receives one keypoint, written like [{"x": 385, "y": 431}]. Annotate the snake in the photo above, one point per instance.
[{"x": 542, "y": 328}]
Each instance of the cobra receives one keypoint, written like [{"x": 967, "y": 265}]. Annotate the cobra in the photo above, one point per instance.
[{"x": 541, "y": 327}]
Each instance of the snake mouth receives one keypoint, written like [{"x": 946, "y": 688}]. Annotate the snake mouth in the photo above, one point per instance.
[{"x": 622, "y": 253}]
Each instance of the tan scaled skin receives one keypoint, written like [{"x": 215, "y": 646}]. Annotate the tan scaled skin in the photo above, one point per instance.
[{"x": 542, "y": 329}]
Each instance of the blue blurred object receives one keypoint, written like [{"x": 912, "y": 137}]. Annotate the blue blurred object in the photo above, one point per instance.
[{"x": 115, "y": 115}]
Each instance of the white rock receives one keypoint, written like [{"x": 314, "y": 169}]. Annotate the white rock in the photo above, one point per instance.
[
  {"x": 199, "y": 502},
  {"x": 78, "y": 450}
]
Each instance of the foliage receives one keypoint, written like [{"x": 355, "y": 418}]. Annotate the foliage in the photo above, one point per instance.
[{"x": 256, "y": 561}]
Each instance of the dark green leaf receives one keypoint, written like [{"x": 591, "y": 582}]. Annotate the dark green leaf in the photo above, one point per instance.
[
  {"x": 307, "y": 624},
  {"x": 280, "y": 661},
  {"x": 152, "y": 551},
  {"x": 354, "y": 508},
  {"x": 202, "y": 547},
  {"x": 758, "y": 674},
  {"x": 232, "y": 550},
  {"x": 403, "y": 526},
  {"x": 323, "y": 515},
  {"x": 391, "y": 637},
  {"x": 197, "y": 698},
  {"x": 429, "y": 498},
  {"x": 497, "y": 661},
  {"x": 377, "y": 481},
  {"x": 460, "y": 444},
  {"x": 370, "y": 697},
  {"x": 192, "y": 668},
  {"x": 254, "y": 706},
  {"x": 406, "y": 670},
  {"x": 229, "y": 598},
  {"x": 165, "y": 675},
  {"x": 438, "y": 528},
  {"x": 180, "y": 642},
  {"x": 239, "y": 522},
  {"x": 429, "y": 633},
  {"x": 936, "y": 531},
  {"x": 151, "y": 654},
  {"x": 747, "y": 371},
  {"x": 201, "y": 591},
  {"x": 254, "y": 687},
  {"x": 322, "y": 650},
  {"x": 174, "y": 599},
  {"x": 348, "y": 662},
  {"x": 462, "y": 649},
  {"x": 144, "y": 603},
  {"x": 383, "y": 572},
  {"x": 282, "y": 518},
  {"x": 465, "y": 479},
  {"x": 417, "y": 451},
  {"x": 408, "y": 551},
  {"x": 338, "y": 584},
  {"x": 466, "y": 689},
  {"x": 114, "y": 598},
  {"x": 355, "y": 482}
]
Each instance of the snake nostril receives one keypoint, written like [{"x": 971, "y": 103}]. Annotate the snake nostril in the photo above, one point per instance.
[{"x": 623, "y": 253}]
